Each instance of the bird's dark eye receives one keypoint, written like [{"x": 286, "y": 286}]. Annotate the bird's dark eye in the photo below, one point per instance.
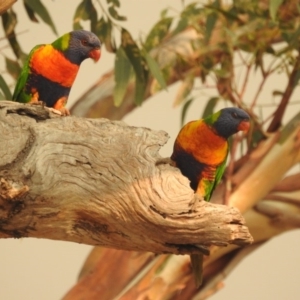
[
  {"x": 234, "y": 115},
  {"x": 84, "y": 42}
]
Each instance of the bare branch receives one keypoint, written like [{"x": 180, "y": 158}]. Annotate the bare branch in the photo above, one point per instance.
[{"x": 293, "y": 80}]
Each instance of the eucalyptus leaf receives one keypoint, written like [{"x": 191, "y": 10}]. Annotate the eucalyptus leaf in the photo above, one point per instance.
[
  {"x": 114, "y": 2},
  {"x": 113, "y": 5},
  {"x": 185, "y": 109},
  {"x": 104, "y": 31},
  {"x": 155, "y": 70},
  {"x": 209, "y": 108},
  {"x": 138, "y": 63},
  {"x": 5, "y": 89},
  {"x": 123, "y": 69},
  {"x": 9, "y": 21},
  {"x": 181, "y": 25},
  {"x": 211, "y": 21},
  {"x": 164, "y": 13},
  {"x": 13, "y": 67},
  {"x": 30, "y": 13},
  {"x": 38, "y": 7},
  {"x": 2, "y": 97},
  {"x": 273, "y": 8},
  {"x": 157, "y": 33},
  {"x": 85, "y": 11},
  {"x": 113, "y": 12},
  {"x": 108, "y": 37}
]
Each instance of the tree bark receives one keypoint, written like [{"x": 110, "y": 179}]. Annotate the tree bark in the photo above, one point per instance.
[{"x": 100, "y": 182}]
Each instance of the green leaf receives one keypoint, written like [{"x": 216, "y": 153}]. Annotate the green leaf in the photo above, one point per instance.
[
  {"x": 277, "y": 93},
  {"x": 292, "y": 40},
  {"x": 30, "y": 13},
  {"x": 13, "y": 67},
  {"x": 138, "y": 63},
  {"x": 38, "y": 7},
  {"x": 185, "y": 109},
  {"x": 80, "y": 14},
  {"x": 5, "y": 89},
  {"x": 100, "y": 29},
  {"x": 210, "y": 25},
  {"x": 113, "y": 12},
  {"x": 103, "y": 30},
  {"x": 2, "y": 97},
  {"x": 221, "y": 73},
  {"x": 157, "y": 33},
  {"x": 192, "y": 10},
  {"x": 9, "y": 21},
  {"x": 228, "y": 14},
  {"x": 164, "y": 13},
  {"x": 123, "y": 71},
  {"x": 273, "y": 7},
  {"x": 85, "y": 11},
  {"x": 155, "y": 70},
  {"x": 109, "y": 41},
  {"x": 114, "y": 2},
  {"x": 181, "y": 25},
  {"x": 112, "y": 9},
  {"x": 209, "y": 108},
  {"x": 140, "y": 88}
]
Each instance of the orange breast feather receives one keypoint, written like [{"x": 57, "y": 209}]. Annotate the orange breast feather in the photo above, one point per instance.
[
  {"x": 53, "y": 65},
  {"x": 198, "y": 139}
]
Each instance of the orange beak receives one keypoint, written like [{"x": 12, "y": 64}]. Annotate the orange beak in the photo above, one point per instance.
[
  {"x": 244, "y": 126},
  {"x": 95, "y": 54}
]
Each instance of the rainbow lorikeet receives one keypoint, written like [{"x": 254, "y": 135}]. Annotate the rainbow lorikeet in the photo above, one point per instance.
[
  {"x": 50, "y": 70},
  {"x": 200, "y": 152}
]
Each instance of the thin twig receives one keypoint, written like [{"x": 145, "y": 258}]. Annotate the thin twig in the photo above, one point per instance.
[
  {"x": 278, "y": 115},
  {"x": 243, "y": 89}
]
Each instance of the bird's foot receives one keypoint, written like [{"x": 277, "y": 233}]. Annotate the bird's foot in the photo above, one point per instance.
[
  {"x": 62, "y": 111},
  {"x": 60, "y": 106},
  {"x": 38, "y": 102},
  {"x": 165, "y": 161}
]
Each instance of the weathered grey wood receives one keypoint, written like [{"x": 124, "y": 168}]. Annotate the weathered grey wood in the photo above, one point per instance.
[{"x": 100, "y": 182}]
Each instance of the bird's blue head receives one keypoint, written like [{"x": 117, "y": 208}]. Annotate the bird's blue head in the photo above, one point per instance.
[
  {"x": 78, "y": 45},
  {"x": 231, "y": 120}
]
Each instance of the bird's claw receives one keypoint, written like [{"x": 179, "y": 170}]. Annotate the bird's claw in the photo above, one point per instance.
[
  {"x": 62, "y": 111},
  {"x": 38, "y": 102}
]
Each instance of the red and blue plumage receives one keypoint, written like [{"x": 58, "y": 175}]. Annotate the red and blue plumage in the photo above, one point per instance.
[
  {"x": 50, "y": 70},
  {"x": 200, "y": 152}
]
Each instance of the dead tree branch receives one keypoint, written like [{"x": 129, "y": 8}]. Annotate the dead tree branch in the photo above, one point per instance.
[{"x": 100, "y": 183}]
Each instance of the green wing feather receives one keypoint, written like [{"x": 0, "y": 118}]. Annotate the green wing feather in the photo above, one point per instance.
[
  {"x": 19, "y": 94},
  {"x": 220, "y": 171},
  {"x": 218, "y": 176}
]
